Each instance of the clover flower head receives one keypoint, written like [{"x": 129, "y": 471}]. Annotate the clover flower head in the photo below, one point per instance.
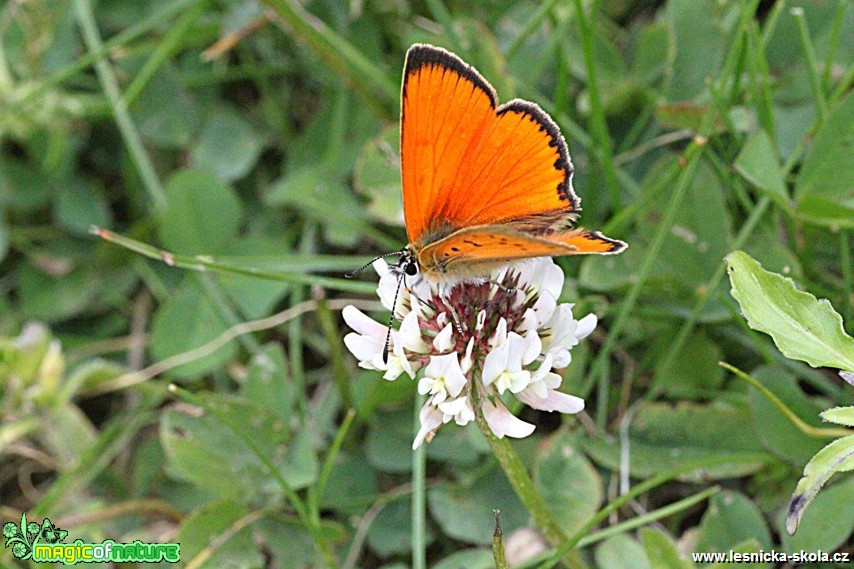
[
  {"x": 476, "y": 342},
  {"x": 10, "y": 529}
]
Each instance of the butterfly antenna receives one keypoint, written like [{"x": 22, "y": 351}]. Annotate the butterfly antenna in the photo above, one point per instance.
[
  {"x": 352, "y": 274},
  {"x": 391, "y": 320}
]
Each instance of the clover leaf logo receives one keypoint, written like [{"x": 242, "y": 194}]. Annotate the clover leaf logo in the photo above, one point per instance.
[{"x": 23, "y": 538}]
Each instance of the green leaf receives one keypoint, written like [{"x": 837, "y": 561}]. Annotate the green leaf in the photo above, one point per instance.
[
  {"x": 828, "y": 172},
  {"x": 773, "y": 427},
  {"x": 218, "y": 530},
  {"x": 662, "y": 437},
  {"x": 207, "y": 451},
  {"x": 661, "y": 551},
  {"x": 377, "y": 177},
  {"x": 165, "y": 112},
  {"x": 840, "y": 416},
  {"x": 696, "y": 373},
  {"x": 698, "y": 42},
  {"x": 731, "y": 518},
  {"x": 828, "y": 521},
  {"x": 470, "y": 559},
  {"x": 189, "y": 320},
  {"x": 621, "y": 552},
  {"x": 203, "y": 213},
  {"x": 267, "y": 383},
  {"x": 838, "y": 456},
  {"x": 464, "y": 511},
  {"x": 802, "y": 327},
  {"x": 758, "y": 163},
  {"x": 568, "y": 483},
  {"x": 79, "y": 206},
  {"x": 228, "y": 146}
]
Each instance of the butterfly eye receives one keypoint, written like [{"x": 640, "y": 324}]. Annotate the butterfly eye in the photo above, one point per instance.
[{"x": 411, "y": 268}]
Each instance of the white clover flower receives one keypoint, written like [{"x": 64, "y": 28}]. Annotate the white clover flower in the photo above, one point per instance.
[{"x": 501, "y": 337}]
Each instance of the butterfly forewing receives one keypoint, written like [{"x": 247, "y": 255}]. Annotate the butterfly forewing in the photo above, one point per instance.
[{"x": 482, "y": 184}]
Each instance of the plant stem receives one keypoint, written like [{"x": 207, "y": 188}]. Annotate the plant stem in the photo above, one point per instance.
[
  {"x": 419, "y": 496},
  {"x": 523, "y": 485},
  {"x": 86, "y": 18}
]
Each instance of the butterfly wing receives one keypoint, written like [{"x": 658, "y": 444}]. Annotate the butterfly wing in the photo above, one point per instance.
[
  {"x": 467, "y": 162},
  {"x": 474, "y": 251}
]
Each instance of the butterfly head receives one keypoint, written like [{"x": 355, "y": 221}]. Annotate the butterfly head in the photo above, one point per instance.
[{"x": 407, "y": 265}]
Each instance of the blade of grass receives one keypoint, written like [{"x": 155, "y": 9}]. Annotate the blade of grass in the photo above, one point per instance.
[
  {"x": 530, "y": 26},
  {"x": 441, "y": 14},
  {"x": 691, "y": 160},
  {"x": 295, "y": 326},
  {"x": 833, "y": 43},
  {"x": 292, "y": 497},
  {"x": 339, "y": 54},
  {"x": 167, "y": 47},
  {"x": 812, "y": 62},
  {"x": 711, "y": 286},
  {"x": 336, "y": 355},
  {"x": 598, "y": 125},
  {"x": 847, "y": 275},
  {"x": 760, "y": 81},
  {"x": 698, "y": 464},
  {"x": 649, "y": 517},
  {"x": 110, "y": 85},
  {"x": 92, "y": 56},
  {"x": 315, "y": 492},
  {"x": 205, "y": 263}
]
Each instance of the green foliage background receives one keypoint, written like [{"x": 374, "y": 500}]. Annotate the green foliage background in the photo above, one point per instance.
[{"x": 696, "y": 127}]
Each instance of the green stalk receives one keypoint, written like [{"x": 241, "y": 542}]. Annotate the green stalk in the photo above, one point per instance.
[
  {"x": 712, "y": 285},
  {"x": 204, "y": 263},
  {"x": 336, "y": 356},
  {"x": 110, "y": 85},
  {"x": 847, "y": 275},
  {"x": 808, "y": 430},
  {"x": 498, "y": 543},
  {"x": 419, "y": 496},
  {"x": 312, "y": 525},
  {"x": 691, "y": 159},
  {"x": 170, "y": 45},
  {"x": 649, "y": 517},
  {"x": 523, "y": 485},
  {"x": 530, "y": 26},
  {"x": 339, "y": 54},
  {"x": 598, "y": 124},
  {"x": 812, "y": 62}
]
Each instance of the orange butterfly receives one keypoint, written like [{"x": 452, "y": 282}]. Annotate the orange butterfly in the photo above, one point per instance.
[{"x": 483, "y": 185}]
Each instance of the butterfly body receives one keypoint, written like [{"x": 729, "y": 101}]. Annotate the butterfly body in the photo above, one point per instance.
[{"x": 483, "y": 185}]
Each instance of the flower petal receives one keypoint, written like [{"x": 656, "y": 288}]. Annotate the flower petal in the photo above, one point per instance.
[
  {"x": 585, "y": 326},
  {"x": 555, "y": 401},
  {"x": 362, "y": 323},
  {"x": 443, "y": 340},
  {"x": 495, "y": 363},
  {"x": 503, "y": 423},
  {"x": 410, "y": 334},
  {"x": 431, "y": 419},
  {"x": 364, "y": 348}
]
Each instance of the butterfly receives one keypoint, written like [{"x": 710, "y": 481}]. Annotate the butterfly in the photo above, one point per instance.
[{"x": 484, "y": 184}]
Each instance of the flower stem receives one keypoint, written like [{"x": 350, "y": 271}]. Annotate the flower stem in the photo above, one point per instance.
[{"x": 523, "y": 485}]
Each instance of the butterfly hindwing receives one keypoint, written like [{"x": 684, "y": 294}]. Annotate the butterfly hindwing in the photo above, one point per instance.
[
  {"x": 476, "y": 250},
  {"x": 467, "y": 162}
]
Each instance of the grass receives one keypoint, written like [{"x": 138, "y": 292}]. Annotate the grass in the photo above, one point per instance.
[{"x": 182, "y": 190}]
